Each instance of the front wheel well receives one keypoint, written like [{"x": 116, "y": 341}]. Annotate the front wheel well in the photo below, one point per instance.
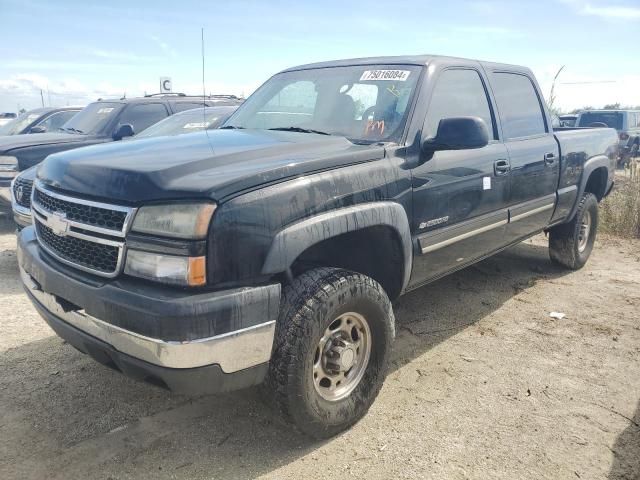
[{"x": 374, "y": 251}]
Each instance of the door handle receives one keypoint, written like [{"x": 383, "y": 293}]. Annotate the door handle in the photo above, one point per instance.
[
  {"x": 501, "y": 167},
  {"x": 550, "y": 158}
]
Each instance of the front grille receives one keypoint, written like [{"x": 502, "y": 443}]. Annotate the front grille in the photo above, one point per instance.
[
  {"x": 84, "y": 234},
  {"x": 82, "y": 213},
  {"x": 22, "y": 192},
  {"x": 95, "y": 256}
]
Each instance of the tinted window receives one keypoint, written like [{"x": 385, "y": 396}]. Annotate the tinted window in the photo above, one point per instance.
[
  {"x": 458, "y": 93},
  {"x": 143, "y": 116},
  {"x": 519, "y": 106},
  {"x": 55, "y": 121},
  {"x": 611, "y": 119},
  {"x": 182, "y": 106}
]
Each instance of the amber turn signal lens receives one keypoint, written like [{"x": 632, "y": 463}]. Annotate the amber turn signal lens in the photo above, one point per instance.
[{"x": 197, "y": 271}]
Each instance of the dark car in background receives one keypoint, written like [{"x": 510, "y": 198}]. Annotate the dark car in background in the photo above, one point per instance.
[
  {"x": 99, "y": 122},
  {"x": 184, "y": 122},
  {"x": 39, "y": 120},
  {"x": 626, "y": 123}
]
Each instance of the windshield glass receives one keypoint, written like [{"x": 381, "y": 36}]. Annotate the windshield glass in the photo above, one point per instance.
[
  {"x": 611, "y": 119},
  {"x": 188, "y": 121},
  {"x": 93, "y": 118},
  {"x": 16, "y": 125},
  {"x": 366, "y": 103}
]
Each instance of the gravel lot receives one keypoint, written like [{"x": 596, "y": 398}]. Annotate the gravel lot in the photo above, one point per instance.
[{"x": 484, "y": 384}]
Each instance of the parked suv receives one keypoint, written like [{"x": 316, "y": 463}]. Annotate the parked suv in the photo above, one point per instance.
[
  {"x": 39, "y": 120},
  {"x": 626, "y": 123},
  {"x": 99, "y": 122}
]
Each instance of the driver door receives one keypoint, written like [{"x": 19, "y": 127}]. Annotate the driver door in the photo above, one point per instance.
[{"x": 459, "y": 196}]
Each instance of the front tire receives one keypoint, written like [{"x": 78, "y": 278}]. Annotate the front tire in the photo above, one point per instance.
[
  {"x": 332, "y": 346},
  {"x": 570, "y": 244}
]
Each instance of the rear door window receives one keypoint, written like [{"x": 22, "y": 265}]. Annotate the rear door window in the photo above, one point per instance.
[
  {"x": 519, "y": 106},
  {"x": 182, "y": 106},
  {"x": 458, "y": 93},
  {"x": 141, "y": 116}
]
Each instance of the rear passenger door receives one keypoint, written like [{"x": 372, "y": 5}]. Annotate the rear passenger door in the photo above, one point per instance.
[
  {"x": 142, "y": 115},
  {"x": 533, "y": 153},
  {"x": 459, "y": 196}
]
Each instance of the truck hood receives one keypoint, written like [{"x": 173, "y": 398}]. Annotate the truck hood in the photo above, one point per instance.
[
  {"x": 12, "y": 142},
  {"x": 212, "y": 165}
]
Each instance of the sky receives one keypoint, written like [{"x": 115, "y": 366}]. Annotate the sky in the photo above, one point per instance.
[{"x": 76, "y": 52}]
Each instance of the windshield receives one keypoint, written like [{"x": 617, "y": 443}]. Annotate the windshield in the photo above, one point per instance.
[
  {"x": 367, "y": 103},
  {"x": 611, "y": 119},
  {"x": 93, "y": 118},
  {"x": 188, "y": 121},
  {"x": 16, "y": 125}
]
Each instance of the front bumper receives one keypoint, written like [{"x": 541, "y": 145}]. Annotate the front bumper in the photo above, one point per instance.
[{"x": 154, "y": 333}]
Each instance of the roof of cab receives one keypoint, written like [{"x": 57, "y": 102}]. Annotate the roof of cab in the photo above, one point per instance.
[{"x": 420, "y": 60}]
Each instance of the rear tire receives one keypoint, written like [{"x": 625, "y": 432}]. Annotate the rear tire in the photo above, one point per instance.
[
  {"x": 570, "y": 244},
  {"x": 331, "y": 350}
]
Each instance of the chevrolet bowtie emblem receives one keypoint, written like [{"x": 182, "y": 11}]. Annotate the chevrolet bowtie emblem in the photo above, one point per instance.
[{"x": 58, "y": 223}]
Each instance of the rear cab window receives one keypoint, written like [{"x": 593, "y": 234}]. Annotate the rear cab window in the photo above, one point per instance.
[
  {"x": 519, "y": 106},
  {"x": 143, "y": 115}
]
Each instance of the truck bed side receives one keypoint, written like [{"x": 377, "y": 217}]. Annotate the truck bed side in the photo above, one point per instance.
[{"x": 587, "y": 156}]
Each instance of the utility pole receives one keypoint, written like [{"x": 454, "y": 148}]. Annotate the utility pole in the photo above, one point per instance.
[{"x": 41, "y": 97}]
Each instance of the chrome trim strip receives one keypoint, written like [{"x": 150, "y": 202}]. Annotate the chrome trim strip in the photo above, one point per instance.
[
  {"x": 233, "y": 351},
  {"x": 463, "y": 236},
  {"x": 528, "y": 213}
]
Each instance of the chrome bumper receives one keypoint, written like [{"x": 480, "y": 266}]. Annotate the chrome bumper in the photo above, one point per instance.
[{"x": 232, "y": 351}]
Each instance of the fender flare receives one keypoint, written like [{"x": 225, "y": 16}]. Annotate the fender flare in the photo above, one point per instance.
[
  {"x": 589, "y": 167},
  {"x": 294, "y": 239}
]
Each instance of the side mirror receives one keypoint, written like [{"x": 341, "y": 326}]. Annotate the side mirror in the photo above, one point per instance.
[
  {"x": 458, "y": 133},
  {"x": 38, "y": 129},
  {"x": 123, "y": 131}
]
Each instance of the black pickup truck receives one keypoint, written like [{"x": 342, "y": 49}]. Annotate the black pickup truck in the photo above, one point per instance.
[
  {"x": 99, "y": 122},
  {"x": 269, "y": 251}
]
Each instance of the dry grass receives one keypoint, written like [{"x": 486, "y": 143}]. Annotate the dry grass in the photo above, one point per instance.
[{"x": 620, "y": 211}]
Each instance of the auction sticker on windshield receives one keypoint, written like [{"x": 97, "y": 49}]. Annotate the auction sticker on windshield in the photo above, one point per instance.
[{"x": 392, "y": 75}]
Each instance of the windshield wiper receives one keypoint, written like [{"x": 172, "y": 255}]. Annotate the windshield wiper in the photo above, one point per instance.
[
  {"x": 70, "y": 129},
  {"x": 231, "y": 127},
  {"x": 300, "y": 130}
]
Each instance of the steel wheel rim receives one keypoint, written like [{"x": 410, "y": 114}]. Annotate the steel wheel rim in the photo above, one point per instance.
[
  {"x": 585, "y": 231},
  {"x": 341, "y": 356}
]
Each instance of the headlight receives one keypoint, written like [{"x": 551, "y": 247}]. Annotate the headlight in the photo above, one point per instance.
[
  {"x": 8, "y": 164},
  {"x": 179, "y": 220},
  {"x": 170, "y": 269}
]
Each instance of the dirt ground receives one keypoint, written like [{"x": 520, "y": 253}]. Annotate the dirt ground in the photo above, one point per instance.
[{"x": 484, "y": 384}]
